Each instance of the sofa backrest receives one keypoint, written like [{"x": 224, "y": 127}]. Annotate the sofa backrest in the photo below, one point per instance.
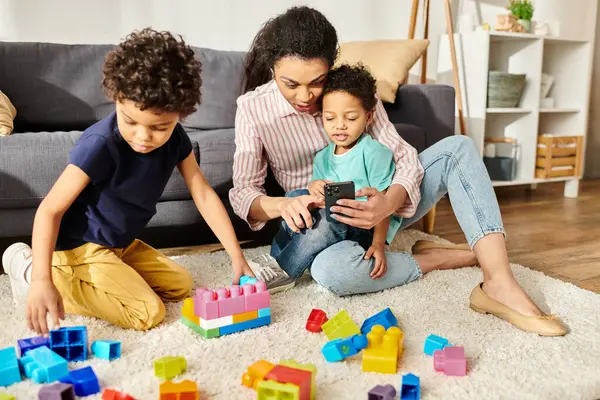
[{"x": 57, "y": 87}]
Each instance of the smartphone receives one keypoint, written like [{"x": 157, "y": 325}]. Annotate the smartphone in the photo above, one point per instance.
[{"x": 334, "y": 192}]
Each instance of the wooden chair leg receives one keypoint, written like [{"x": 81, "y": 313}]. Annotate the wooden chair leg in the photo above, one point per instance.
[{"x": 429, "y": 221}]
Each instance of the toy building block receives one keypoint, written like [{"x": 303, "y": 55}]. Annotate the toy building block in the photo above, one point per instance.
[
  {"x": 382, "y": 392},
  {"x": 57, "y": 391},
  {"x": 32, "y": 343},
  {"x": 70, "y": 343},
  {"x": 6, "y": 396},
  {"x": 383, "y": 351},
  {"x": 257, "y": 296},
  {"x": 385, "y": 318},
  {"x": 305, "y": 367},
  {"x": 272, "y": 390},
  {"x": 42, "y": 365},
  {"x": 300, "y": 378},
  {"x": 9, "y": 367},
  {"x": 242, "y": 326},
  {"x": 340, "y": 326},
  {"x": 224, "y": 302},
  {"x": 216, "y": 323},
  {"x": 187, "y": 311},
  {"x": 169, "y": 367},
  {"x": 256, "y": 373},
  {"x": 84, "y": 381},
  {"x": 112, "y": 394},
  {"x": 340, "y": 349},
  {"x": 451, "y": 360},
  {"x": 433, "y": 343},
  {"x": 184, "y": 390},
  {"x": 315, "y": 320},
  {"x": 411, "y": 387},
  {"x": 106, "y": 349},
  {"x": 264, "y": 312},
  {"x": 247, "y": 316}
]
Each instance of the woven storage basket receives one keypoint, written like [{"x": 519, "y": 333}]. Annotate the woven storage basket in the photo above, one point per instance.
[{"x": 504, "y": 89}]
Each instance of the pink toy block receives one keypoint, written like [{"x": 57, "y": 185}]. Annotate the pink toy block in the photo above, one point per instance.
[
  {"x": 451, "y": 361},
  {"x": 231, "y": 302},
  {"x": 205, "y": 304},
  {"x": 257, "y": 296}
]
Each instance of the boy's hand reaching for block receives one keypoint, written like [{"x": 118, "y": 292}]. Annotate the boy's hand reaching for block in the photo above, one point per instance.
[
  {"x": 240, "y": 267},
  {"x": 44, "y": 298}
]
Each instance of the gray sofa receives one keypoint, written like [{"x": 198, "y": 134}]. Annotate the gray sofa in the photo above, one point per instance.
[{"x": 56, "y": 90}]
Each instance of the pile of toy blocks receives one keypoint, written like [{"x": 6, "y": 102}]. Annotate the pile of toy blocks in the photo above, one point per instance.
[
  {"x": 288, "y": 380},
  {"x": 167, "y": 368},
  {"x": 227, "y": 310},
  {"x": 45, "y": 360}
]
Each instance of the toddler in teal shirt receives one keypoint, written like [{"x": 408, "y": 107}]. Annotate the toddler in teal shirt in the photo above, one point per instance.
[{"x": 348, "y": 105}]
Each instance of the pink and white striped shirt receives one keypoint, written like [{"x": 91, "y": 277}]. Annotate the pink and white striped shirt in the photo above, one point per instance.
[{"x": 270, "y": 131}]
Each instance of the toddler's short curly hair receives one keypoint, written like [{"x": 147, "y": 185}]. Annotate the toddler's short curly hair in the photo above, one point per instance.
[
  {"x": 154, "y": 70},
  {"x": 355, "y": 80}
]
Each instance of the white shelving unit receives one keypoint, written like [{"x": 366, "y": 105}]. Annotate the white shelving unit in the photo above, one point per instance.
[{"x": 568, "y": 60}]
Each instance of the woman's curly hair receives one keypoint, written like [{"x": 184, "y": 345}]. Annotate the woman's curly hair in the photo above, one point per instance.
[
  {"x": 154, "y": 70},
  {"x": 355, "y": 80}
]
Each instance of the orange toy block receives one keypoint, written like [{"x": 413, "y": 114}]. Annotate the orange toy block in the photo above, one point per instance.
[
  {"x": 247, "y": 316},
  {"x": 184, "y": 390},
  {"x": 188, "y": 310},
  {"x": 256, "y": 373},
  {"x": 298, "y": 377},
  {"x": 383, "y": 351}
]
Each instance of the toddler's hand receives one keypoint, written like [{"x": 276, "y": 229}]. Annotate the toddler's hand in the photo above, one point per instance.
[
  {"x": 240, "y": 267},
  {"x": 43, "y": 298},
  {"x": 317, "y": 188},
  {"x": 378, "y": 252}
]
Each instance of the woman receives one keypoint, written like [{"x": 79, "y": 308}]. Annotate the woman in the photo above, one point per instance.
[{"x": 278, "y": 124}]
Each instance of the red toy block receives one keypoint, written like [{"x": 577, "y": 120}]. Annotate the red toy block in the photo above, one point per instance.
[
  {"x": 450, "y": 360},
  {"x": 315, "y": 320},
  {"x": 205, "y": 304},
  {"x": 112, "y": 394},
  {"x": 300, "y": 378},
  {"x": 231, "y": 301},
  {"x": 257, "y": 296}
]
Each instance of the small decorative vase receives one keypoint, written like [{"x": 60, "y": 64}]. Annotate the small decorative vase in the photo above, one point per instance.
[{"x": 526, "y": 24}]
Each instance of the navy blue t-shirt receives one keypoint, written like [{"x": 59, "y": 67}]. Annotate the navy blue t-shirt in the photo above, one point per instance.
[{"x": 124, "y": 189}]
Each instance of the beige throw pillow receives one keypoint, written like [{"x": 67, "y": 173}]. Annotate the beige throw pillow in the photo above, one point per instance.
[
  {"x": 7, "y": 114},
  {"x": 388, "y": 60}
]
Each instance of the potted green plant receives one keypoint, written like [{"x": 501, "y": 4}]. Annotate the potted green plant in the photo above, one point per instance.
[{"x": 523, "y": 11}]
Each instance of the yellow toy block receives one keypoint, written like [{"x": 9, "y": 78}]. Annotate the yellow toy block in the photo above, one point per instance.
[
  {"x": 305, "y": 367},
  {"x": 271, "y": 390},
  {"x": 188, "y": 310},
  {"x": 184, "y": 390},
  {"x": 256, "y": 373},
  {"x": 383, "y": 351},
  {"x": 341, "y": 326},
  {"x": 247, "y": 316}
]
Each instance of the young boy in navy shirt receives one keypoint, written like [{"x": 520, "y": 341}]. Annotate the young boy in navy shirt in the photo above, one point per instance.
[{"x": 86, "y": 259}]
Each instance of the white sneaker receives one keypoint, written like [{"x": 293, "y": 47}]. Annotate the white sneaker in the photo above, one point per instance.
[
  {"x": 267, "y": 269},
  {"x": 17, "y": 258}
]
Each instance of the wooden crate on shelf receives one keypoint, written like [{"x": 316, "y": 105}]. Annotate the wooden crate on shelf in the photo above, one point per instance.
[{"x": 558, "y": 156}]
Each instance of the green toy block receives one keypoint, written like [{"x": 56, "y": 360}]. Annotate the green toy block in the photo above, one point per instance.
[
  {"x": 208, "y": 334},
  {"x": 271, "y": 390},
  {"x": 341, "y": 326},
  {"x": 6, "y": 396},
  {"x": 169, "y": 367},
  {"x": 304, "y": 367}
]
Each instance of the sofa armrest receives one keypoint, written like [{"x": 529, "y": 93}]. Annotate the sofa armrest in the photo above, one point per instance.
[{"x": 430, "y": 107}]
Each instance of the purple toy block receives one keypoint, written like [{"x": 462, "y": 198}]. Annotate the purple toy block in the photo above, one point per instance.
[
  {"x": 58, "y": 391},
  {"x": 205, "y": 304},
  {"x": 84, "y": 381},
  {"x": 32, "y": 343},
  {"x": 231, "y": 302},
  {"x": 451, "y": 361},
  {"x": 257, "y": 296},
  {"x": 381, "y": 392}
]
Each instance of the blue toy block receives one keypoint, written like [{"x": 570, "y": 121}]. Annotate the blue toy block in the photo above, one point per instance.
[
  {"x": 32, "y": 343},
  {"x": 433, "y": 343},
  {"x": 339, "y": 349},
  {"x": 42, "y": 365},
  {"x": 410, "y": 388},
  {"x": 71, "y": 343},
  {"x": 9, "y": 367},
  {"x": 385, "y": 318},
  {"x": 264, "y": 312},
  {"x": 107, "y": 349},
  {"x": 84, "y": 381},
  {"x": 242, "y": 326}
]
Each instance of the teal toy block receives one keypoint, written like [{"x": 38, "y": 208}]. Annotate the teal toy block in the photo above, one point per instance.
[
  {"x": 264, "y": 312},
  {"x": 71, "y": 343},
  {"x": 106, "y": 349},
  {"x": 9, "y": 367},
  {"x": 385, "y": 318},
  {"x": 42, "y": 365},
  {"x": 242, "y": 326},
  {"x": 433, "y": 343},
  {"x": 340, "y": 349},
  {"x": 340, "y": 326}
]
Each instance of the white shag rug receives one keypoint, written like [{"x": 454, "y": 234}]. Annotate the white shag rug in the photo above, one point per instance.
[{"x": 503, "y": 362}]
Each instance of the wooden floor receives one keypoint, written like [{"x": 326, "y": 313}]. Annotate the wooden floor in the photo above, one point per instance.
[{"x": 546, "y": 232}]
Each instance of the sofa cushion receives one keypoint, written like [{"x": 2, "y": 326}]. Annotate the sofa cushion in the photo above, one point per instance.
[{"x": 30, "y": 163}]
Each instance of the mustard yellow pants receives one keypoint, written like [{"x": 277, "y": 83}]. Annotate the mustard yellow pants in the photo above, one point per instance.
[{"x": 125, "y": 287}]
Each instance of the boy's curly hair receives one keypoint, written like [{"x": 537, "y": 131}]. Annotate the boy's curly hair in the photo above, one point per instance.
[
  {"x": 154, "y": 70},
  {"x": 355, "y": 80}
]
